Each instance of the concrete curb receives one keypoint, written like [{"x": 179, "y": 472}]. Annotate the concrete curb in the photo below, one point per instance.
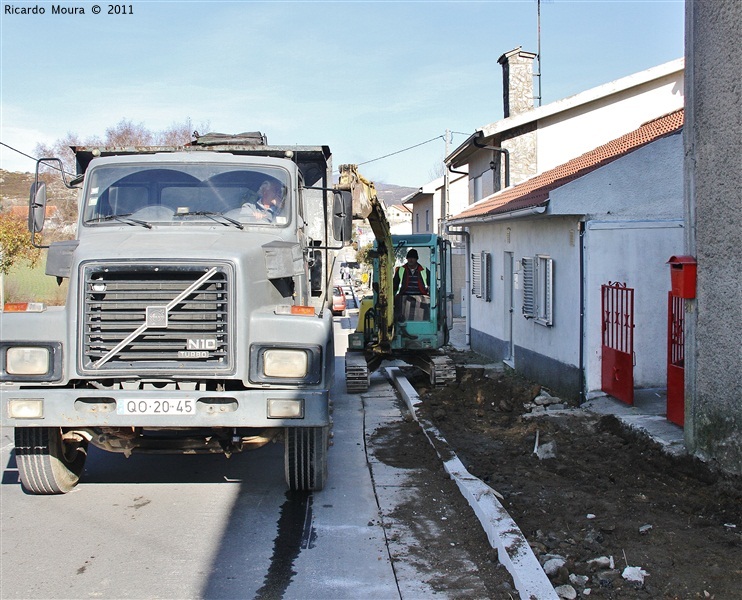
[{"x": 503, "y": 533}]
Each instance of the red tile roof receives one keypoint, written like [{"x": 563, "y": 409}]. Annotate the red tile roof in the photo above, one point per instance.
[{"x": 535, "y": 191}]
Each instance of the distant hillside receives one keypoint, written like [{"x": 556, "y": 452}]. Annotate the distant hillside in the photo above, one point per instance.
[
  {"x": 15, "y": 187},
  {"x": 392, "y": 194}
]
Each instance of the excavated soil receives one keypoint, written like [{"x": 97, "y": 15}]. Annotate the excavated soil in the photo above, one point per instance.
[{"x": 592, "y": 496}]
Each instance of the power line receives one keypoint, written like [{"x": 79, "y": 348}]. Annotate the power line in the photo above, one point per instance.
[
  {"x": 438, "y": 137},
  {"x": 18, "y": 151},
  {"x": 35, "y": 159}
]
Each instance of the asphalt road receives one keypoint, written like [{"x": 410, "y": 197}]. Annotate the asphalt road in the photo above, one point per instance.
[{"x": 200, "y": 526}]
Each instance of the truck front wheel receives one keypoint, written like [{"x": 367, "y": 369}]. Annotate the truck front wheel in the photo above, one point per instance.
[
  {"x": 305, "y": 458},
  {"x": 48, "y": 464}
]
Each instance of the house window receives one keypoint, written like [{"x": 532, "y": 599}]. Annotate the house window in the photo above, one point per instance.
[
  {"x": 538, "y": 284},
  {"x": 417, "y": 222},
  {"x": 481, "y": 275},
  {"x": 427, "y": 219}
]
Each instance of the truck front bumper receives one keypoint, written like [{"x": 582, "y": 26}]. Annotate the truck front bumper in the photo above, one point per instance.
[{"x": 66, "y": 407}]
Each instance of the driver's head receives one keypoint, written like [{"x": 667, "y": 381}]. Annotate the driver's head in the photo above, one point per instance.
[
  {"x": 271, "y": 193},
  {"x": 412, "y": 257}
]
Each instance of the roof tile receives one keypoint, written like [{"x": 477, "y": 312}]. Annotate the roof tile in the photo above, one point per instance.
[{"x": 535, "y": 191}]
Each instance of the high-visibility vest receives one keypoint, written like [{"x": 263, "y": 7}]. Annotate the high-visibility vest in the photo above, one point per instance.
[{"x": 422, "y": 279}]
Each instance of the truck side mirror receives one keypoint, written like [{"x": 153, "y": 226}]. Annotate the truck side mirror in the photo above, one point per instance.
[
  {"x": 37, "y": 207},
  {"x": 342, "y": 216}
]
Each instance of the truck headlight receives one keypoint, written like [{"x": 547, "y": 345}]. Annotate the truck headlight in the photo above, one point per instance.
[
  {"x": 291, "y": 364},
  {"x": 285, "y": 364},
  {"x": 30, "y": 361},
  {"x": 27, "y": 360}
]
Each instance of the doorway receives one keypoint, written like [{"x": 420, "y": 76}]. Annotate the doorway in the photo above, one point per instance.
[{"x": 509, "y": 305}]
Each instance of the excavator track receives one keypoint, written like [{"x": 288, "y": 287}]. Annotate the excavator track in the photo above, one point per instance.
[
  {"x": 440, "y": 368},
  {"x": 356, "y": 372}
]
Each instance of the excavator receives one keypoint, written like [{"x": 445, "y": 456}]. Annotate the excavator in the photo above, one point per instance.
[{"x": 393, "y": 325}]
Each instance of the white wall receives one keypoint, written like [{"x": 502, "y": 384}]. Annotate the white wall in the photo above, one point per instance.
[
  {"x": 634, "y": 208},
  {"x": 419, "y": 209},
  {"x": 569, "y": 134},
  {"x": 647, "y": 183},
  {"x": 458, "y": 190},
  {"x": 529, "y": 237},
  {"x": 634, "y": 253}
]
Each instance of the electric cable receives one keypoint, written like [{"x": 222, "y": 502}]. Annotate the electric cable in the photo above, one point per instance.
[{"x": 36, "y": 159}]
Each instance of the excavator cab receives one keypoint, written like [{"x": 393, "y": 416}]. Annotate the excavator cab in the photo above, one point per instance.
[{"x": 422, "y": 309}]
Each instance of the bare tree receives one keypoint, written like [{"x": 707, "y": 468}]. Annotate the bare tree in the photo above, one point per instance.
[
  {"x": 437, "y": 170},
  {"x": 124, "y": 133},
  {"x": 179, "y": 134},
  {"x": 60, "y": 149},
  {"x": 127, "y": 133}
]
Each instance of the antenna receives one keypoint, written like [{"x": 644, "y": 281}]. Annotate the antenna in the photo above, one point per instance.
[{"x": 538, "y": 49}]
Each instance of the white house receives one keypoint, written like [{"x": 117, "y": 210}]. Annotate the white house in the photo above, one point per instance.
[
  {"x": 399, "y": 217},
  {"x": 541, "y": 250},
  {"x": 433, "y": 202},
  {"x": 429, "y": 203},
  {"x": 531, "y": 140}
]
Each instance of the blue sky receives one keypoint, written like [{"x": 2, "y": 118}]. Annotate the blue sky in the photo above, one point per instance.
[{"x": 365, "y": 78}]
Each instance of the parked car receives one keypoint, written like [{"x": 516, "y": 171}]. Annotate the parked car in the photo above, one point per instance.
[
  {"x": 350, "y": 296},
  {"x": 338, "y": 301}
]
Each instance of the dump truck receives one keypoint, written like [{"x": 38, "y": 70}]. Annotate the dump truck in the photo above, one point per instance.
[{"x": 198, "y": 317}]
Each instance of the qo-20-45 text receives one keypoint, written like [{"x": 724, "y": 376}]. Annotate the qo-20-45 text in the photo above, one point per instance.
[{"x": 157, "y": 407}]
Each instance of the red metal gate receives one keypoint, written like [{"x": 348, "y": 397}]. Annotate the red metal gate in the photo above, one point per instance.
[
  {"x": 675, "y": 360},
  {"x": 617, "y": 368}
]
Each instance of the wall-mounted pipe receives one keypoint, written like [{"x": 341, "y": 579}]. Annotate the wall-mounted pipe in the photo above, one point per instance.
[
  {"x": 450, "y": 168},
  {"x": 467, "y": 283},
  {"x": 583, "y": 283}
]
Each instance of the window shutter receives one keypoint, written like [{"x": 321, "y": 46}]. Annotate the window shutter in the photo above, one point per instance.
[
  {"x": 547, "y": 314},
  {"x": 476, "y": 279},
  {"x": 486, "y": 276},
  {"x": 529, "y": 287}
]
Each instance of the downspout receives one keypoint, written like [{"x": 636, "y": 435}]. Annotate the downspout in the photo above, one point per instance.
[
  {"x": 503, "y": 151},
  {"x": 583, "y": 283},
  {"x": 467, "y": 283},
  {"x": 450, "y": 168}
]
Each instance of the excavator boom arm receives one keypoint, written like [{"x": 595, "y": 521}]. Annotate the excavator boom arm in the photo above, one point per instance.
[{"x": 366, "y": 205}]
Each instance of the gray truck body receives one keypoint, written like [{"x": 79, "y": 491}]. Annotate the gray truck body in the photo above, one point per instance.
[{"x": 186, "y": 327}]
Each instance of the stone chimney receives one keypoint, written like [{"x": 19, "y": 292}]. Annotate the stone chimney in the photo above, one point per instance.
[{"x": 517, "y": 81}]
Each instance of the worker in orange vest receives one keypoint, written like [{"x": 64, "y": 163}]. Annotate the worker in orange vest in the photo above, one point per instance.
[
  {"x": 414, "y": 278},
  {"x": 414, "y": 281}
]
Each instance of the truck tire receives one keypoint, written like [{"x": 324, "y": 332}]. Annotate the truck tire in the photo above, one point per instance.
[
  {"x": 46, "y": 463},
  {"x": 305, "y": 458}
]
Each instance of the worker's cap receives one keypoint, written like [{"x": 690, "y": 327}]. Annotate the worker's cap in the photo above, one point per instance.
[{"x": 412, "y": 254}]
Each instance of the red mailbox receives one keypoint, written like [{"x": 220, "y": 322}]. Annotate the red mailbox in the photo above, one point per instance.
[{"x": 683, "y": 276}]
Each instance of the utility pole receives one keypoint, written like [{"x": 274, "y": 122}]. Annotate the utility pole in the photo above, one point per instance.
[{"x": 444, "y": 196}]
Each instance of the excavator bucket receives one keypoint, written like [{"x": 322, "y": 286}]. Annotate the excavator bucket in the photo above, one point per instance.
[{"x": 360, "y": 189}]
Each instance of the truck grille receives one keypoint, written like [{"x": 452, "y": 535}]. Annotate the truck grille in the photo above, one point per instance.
[{"x": 163, "y": 319}]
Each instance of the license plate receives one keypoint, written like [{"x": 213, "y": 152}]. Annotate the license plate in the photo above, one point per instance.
[{"x": 149, "y": 406}]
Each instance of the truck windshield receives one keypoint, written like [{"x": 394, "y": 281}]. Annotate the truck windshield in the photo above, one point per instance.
[{"x": 174, "y": 194}]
